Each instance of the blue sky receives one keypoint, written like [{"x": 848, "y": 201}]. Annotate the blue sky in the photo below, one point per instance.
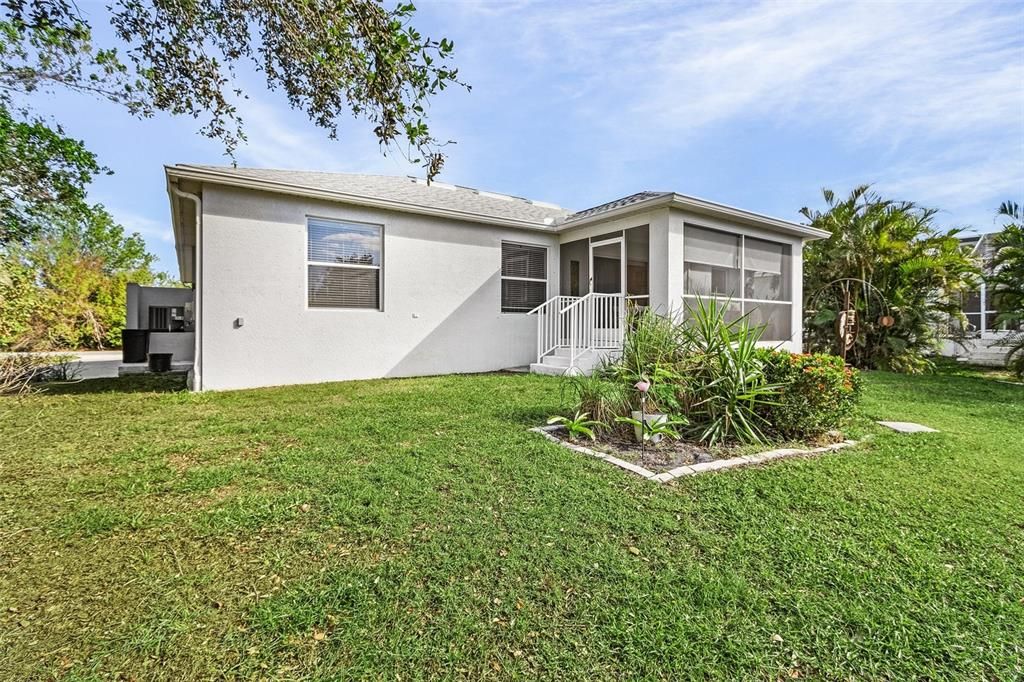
[{"x": 757, "y": 105}]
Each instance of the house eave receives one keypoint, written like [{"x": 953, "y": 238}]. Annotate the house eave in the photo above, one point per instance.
[
  {"x": 212, "y": 176},
  {"x": 702, "y": 207},
  {"x": 176, "y": 229}
]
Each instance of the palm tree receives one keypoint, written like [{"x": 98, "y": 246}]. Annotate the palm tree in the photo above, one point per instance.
[
  {"x": 1006, "y": 280},
  {"x": 903, "y": 277}
]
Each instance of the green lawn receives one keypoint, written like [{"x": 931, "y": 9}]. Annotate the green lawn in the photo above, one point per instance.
[{"x": 414, "y": 529}]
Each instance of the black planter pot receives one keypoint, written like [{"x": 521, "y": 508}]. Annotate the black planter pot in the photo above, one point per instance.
[
  {"x": 160, "y": 362},
  {"x": 134, "y": 345}
]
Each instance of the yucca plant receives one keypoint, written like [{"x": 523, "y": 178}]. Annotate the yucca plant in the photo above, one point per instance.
[{"x": 725, "y": 379}]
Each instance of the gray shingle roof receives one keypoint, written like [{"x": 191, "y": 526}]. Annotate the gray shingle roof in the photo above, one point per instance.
[
  {"x": 464, "y": 203},
  {"x": 405, "y": 190},
  {"x": 611, "y": 205}
]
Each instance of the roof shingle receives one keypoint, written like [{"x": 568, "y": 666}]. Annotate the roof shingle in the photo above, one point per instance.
[
  {"x": 612, "y": 205},
  {"x": 405, "y": 190}
]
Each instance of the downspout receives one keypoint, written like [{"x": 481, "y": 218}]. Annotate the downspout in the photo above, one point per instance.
[{"x": 197, "y": 365}]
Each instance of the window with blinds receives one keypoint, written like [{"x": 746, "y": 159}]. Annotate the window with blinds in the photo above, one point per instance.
[
  {"x": 753, "y": 274},
  {"x": 343, "y": 264},
  {"x": 524, "y": 277}
]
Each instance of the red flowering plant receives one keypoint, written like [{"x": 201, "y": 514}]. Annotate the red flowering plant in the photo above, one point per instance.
[{"x": 817, "y": 393}]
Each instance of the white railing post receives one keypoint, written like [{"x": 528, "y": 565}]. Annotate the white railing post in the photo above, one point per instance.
[{"x": 540, "y": 332}]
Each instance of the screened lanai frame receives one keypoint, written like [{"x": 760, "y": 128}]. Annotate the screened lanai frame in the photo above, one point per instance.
[{"x": 776, "y": 314}]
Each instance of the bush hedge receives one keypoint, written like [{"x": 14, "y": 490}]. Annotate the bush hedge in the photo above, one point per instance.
[{"x": 817, "y": 393}]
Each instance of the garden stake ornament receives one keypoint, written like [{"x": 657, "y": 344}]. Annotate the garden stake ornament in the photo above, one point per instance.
[
  {"x": 643, "y": 387},
  {"x": 847, "y": 325}
]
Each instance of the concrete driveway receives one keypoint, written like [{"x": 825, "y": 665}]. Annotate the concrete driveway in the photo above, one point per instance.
[
  {"x": 92, "y": 364},
  {"x": 96, "y": 364}
]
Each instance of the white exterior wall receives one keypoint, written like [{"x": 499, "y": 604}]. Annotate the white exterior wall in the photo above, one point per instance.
[
  {"x": 138, "y": 301},
  {"x": 659, "y": 261},
  {"x": 181, "y": 345},
  {"x": 441, "y": 297}
]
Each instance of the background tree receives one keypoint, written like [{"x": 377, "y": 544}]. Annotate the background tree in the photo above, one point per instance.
[
  {"x": 41, "y": 171},
  {"x": 329, "y": 57},
  {"x": 1006, "y": 282},
  {"x": 65, "y": 287},
  {"x": 896, "y": 263}
]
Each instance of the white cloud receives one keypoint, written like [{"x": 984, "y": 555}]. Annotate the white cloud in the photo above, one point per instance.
[
  {"x": 285, "y": 139},
  {"x": 935, "y": 90},
  {"x": 884, "y": 69},
  {"x": 150, "y": 229}
]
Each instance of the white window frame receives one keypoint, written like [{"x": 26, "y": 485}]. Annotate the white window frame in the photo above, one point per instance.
[
  {"x": 983, "y": 312},
  {"x": 353, "y": 266},
  {"x": 742, "y": 299},
  {"x": 547, "y": 255}
]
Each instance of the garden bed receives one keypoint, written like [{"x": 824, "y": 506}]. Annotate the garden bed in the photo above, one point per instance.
[{"x": 673, "y": 459}]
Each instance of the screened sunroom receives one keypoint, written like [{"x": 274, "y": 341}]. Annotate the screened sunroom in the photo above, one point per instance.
[{"x": 666, "y": 259}]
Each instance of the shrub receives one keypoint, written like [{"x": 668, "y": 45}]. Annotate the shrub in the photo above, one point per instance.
[
  {"x": 19, "y": 371},
  {"x": 725, "y": 387},
  {"x": 817, "y": 393},
  {"x": 709, "y": 372}
]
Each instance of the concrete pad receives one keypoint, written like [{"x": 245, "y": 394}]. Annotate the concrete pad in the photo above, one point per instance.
[{"x": 908, "y": 427}]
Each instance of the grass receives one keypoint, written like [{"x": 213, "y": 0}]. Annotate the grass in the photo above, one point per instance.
[{"x": 413, "y": 529}]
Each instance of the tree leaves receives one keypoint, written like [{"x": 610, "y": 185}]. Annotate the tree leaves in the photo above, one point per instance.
[
  {"x": 40, "y": 170},
  {"x": 330, "y": 58},
  {"x": 890, "y": 259}
]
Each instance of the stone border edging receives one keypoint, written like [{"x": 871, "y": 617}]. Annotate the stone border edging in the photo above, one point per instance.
[{"x": 690, "y": 469}]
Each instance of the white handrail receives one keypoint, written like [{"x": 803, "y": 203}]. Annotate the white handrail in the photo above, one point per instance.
[
  {"x": 580, "y": 324},
  {"x": 550, "y": 324},
  {"x": 545, "y": 303}
]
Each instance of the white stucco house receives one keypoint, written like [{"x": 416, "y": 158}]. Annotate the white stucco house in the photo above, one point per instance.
[
  {"x": 304, "y": 277},
  {"x": 982, "y": 340}
]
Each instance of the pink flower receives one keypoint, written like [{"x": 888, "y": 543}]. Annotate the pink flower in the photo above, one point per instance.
[{"x": 642, "y": 386}]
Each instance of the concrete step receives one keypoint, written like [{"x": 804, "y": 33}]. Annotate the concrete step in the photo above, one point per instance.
[
  {"x": 143, "y": 368},
  {"x": 541, "y": 368},
  {"x": 557, "y": 362}
]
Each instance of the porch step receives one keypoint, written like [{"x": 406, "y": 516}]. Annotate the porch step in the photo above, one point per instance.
[{"x": 557, "y": 362}]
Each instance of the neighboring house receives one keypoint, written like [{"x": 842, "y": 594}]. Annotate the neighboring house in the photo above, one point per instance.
[
  {"x": 304, "y": 277},
  {"x": 981, "y": 341},
  {"x": 166, "y": 314}
]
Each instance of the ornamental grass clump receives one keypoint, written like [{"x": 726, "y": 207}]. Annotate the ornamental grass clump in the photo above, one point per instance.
[{"x": 596, "y": 396}]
